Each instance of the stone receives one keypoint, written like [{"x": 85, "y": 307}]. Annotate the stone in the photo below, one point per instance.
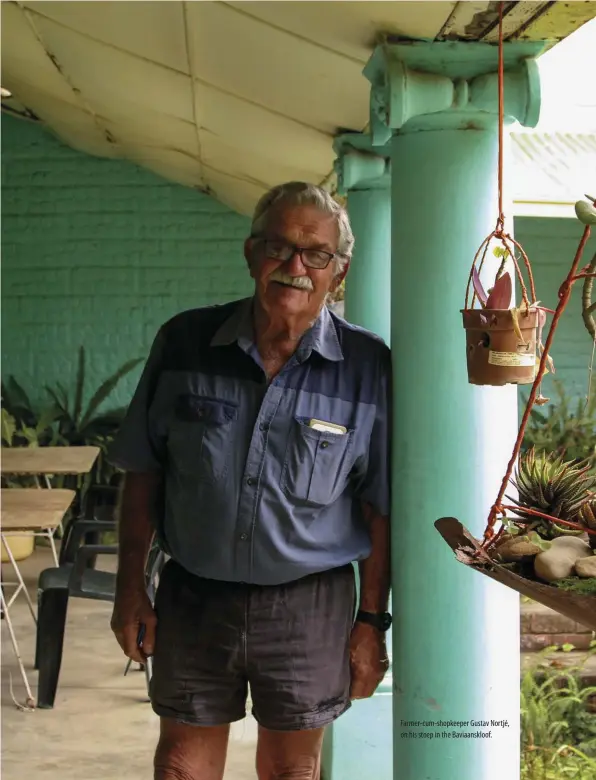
[
  {"x": 557, "y": 562},
  {"x": 517, "y": 548},
  {"x": 586, "y": 567}
]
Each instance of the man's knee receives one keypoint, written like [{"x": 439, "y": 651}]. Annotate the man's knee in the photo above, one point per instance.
[
  {"x": 190, "y": 752},
  {"x": 172, "y": 763},
  {"x": 294, "y": 768}
]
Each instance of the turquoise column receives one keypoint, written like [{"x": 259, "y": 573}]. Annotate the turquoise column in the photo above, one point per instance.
[
  {"x": 359, "y": 744},
  {"x": 364, "y": 177},
  {"x": 456, "y": 633}
]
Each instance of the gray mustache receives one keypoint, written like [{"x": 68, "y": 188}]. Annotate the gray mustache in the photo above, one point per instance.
[{"x": 300, "y": 282}]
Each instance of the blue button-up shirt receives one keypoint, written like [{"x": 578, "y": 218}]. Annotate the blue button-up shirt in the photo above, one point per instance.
[{"x": 251, "y": 491}]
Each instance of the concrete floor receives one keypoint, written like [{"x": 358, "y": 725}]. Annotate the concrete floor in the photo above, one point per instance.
[{"x": 102, "y": 725}]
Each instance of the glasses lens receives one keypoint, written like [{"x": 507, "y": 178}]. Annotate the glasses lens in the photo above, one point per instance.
[
  {"x": 315, "y": 258},
  {"x": 278, "y": 250}
]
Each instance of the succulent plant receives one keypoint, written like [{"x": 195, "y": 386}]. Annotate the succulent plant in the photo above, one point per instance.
[
  {"x": 549, "y": 484},
  {"x": 587, "y": 517}
]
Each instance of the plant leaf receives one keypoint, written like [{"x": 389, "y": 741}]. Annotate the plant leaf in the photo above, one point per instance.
[
  {"x": 9, "y": 427},
  {"x": 79, "y": 387},
  {"x": 106, "y": 388},
  {"x": 500, "y": 295},
  {"x": 478, "y": 288}
]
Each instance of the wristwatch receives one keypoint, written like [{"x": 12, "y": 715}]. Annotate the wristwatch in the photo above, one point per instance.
[{"x": 381, "y": 621}]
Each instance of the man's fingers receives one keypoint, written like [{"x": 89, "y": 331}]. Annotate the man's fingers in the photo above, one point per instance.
[
  {"x": 129, "y": 643},
  {"x": 148, "y": 643}
]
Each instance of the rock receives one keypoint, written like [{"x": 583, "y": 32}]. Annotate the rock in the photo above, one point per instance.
[
  {"x": 517, "y": 548},
  {"x": 586, "y": 567},
  {"x": 558, "y": 562}
]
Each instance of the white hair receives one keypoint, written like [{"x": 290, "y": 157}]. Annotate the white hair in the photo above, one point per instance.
[{"x": 299, "y": 193}]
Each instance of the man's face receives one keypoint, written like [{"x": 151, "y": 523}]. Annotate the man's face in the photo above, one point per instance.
[{"x": 290, "y": 287}]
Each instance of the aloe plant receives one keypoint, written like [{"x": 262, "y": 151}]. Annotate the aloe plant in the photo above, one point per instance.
[{"x": 79, "y": 424}]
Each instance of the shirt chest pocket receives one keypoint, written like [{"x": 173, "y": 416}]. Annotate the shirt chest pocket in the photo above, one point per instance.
[
  {"x": 200, "y": 437},
  {"x": 317, "y": 464}
]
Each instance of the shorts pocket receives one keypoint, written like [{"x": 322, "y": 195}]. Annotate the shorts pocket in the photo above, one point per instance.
[
  {"x": 200, "y": 437},
  {"x": 316, "y": 464}
]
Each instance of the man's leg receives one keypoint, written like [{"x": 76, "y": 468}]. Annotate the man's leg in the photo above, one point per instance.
[
  {"x": 289, "y": 755},
  {"x": 190, "y": 752},
  {"x": 199, "y": 685},
  {"x": 299, "y": 670}
]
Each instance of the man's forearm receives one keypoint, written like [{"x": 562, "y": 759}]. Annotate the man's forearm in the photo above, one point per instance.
[
  {"x": 135, "y": 513},
  {"x": 375, "y": 571}
]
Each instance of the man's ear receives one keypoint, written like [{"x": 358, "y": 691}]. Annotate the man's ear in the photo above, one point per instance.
[{"x": 337, "y": 280}]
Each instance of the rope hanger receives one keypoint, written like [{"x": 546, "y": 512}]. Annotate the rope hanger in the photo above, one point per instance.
[{"x": 588, "y": 273}]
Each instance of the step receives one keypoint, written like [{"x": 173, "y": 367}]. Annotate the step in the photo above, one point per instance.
[{"x": 542, "y": 627}]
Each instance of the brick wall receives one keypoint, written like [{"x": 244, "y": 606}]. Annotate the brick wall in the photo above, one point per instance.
[{"x": 100, "y": 253}]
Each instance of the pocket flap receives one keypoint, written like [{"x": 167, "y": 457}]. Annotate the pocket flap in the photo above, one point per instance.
[{"x": 212, "y": 411}]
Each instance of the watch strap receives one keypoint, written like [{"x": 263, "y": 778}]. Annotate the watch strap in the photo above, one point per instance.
[{"x": 379, "y": 620}]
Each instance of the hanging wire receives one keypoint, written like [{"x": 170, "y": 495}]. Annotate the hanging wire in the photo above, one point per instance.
[
  {"x": 498, "y": 509},
  {"x": 507, "y": 241}
]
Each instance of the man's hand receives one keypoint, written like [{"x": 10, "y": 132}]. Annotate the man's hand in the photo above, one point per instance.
[
  {"x": 132, "y": 609},
  {"x": 368, "y": 660}
]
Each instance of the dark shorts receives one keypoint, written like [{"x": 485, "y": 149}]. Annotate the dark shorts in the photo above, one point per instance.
[{"x": 289, "y": 643}]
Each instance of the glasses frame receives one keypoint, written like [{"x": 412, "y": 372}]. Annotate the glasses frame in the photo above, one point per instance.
[{"x": 296, "y": 250}]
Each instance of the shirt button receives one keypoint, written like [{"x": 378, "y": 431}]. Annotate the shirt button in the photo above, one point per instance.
[
  {"x": 250, "y": 481},
  {"x": 324, "y": 444},
  {"x": 244, "y": 537},
  {"x": 264, "y": 427}
]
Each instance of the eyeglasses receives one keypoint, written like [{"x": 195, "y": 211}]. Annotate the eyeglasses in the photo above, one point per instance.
[{"x": 281, "y": 250}]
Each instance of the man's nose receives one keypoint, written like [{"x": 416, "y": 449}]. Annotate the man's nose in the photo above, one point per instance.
[{"x": 294, "y": 266}]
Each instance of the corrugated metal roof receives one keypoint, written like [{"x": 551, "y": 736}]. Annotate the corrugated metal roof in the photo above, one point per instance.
[{"x": 555, "y": 169}]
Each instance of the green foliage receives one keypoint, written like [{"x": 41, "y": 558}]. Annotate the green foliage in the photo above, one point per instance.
[
  {"x": 65, "y": 421},
  {"x": 79, "y": 425},
  {"x": 28, "y": 426},
  {"x": 579, "y": 586},
  {"x": 558, "y": 732},
  {"x": 554, "y": 486},
  {"x": 565, "y": 426}
]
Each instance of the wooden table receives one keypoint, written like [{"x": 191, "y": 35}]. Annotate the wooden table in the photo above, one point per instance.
[
  {"x": 48, "y": 460},
  {"x": 28, "y": 510}
]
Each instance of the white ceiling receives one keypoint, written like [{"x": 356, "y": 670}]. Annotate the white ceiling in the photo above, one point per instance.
[{"x": 228, "y": 97}]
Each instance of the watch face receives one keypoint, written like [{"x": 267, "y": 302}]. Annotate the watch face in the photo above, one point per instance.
[{"x": 385, "y": 622}]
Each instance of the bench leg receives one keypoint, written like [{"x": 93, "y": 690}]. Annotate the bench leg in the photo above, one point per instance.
[{"x": 53, "y": 606}]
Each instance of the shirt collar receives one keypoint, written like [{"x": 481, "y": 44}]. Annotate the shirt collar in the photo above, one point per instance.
[{"x": 321, "y": 338}]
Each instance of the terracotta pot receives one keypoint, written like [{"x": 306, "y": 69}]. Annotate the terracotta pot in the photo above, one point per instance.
[
  {"x": 495, "y": 354},
  {"x": 574, "y": 606}
]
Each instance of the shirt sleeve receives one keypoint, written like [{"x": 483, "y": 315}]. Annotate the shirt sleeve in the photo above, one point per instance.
[
  {"x": 374, "y": 487},
  {"x": 136, "y": 447}
]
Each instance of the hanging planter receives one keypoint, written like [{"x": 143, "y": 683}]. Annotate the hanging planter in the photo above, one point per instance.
[
  {"x": 501, "y": 342},
  {"x": 573, "y": 604},
  {"x": 545, "y": 547}
]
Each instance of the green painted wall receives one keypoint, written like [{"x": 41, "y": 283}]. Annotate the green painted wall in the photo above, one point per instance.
[
  {"x": 550, "y": 245},
  {"x": 100, "y": 253}
]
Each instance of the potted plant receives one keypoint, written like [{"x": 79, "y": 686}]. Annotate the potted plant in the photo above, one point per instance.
[
  {"x": 501, "y": 340},
  {"x": 545, "y": 545}
]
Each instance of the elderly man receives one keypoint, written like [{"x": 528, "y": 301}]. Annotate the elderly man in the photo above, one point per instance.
[{"x": 257, "y": 448}]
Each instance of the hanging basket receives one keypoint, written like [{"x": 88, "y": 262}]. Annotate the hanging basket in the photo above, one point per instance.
[
  {"x": 495, "y": 353},
  {"x": 469, "y": 551},
  {"x": 502, "y": 341}
]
